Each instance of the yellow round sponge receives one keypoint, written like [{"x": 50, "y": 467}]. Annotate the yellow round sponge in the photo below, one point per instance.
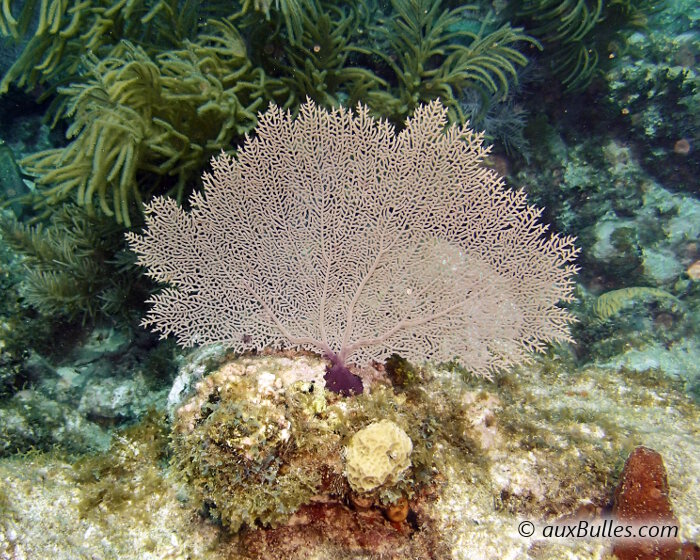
[{"x": 376, "y": 455}]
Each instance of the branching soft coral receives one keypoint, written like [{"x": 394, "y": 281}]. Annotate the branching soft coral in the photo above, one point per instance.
[
  {"x": 135, "y": 115},
  {"x": 318, "y": 65},
  {"x": 292, "y": 12},
  {"x": 66, "y": 28},
  {"x": 434, "y": 55},
  {"x": 73, "y": 269},
  {"x": 578, "y": 34}
]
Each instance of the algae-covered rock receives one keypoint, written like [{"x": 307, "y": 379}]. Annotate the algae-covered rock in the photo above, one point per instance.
[
  {"x": 260, "y": 440},
  {"x": 251, "y": 445}
]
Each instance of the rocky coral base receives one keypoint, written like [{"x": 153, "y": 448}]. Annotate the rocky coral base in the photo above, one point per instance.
[
  {"x": 544, "y": 445},
  {"x": 343, "y": 533}
]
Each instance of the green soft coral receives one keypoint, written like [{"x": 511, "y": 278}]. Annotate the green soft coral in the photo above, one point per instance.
[
  {"x": 65, "y": 29},
  {"x": 292, "y": 12},
  {"x": 319, "y": 67},
  {"x": 74, "y": 268},
  {"x": 610, "y": 303},
  {"x": 135, "y": 115},
  {"x": 433, "y": 55},
  {"x": 577, "y": 34}
]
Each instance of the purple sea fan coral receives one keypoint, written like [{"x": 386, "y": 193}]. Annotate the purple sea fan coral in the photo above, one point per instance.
[{"x": 330, "y": 232}]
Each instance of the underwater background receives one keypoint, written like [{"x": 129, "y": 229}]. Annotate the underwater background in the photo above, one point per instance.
[{"x": 117, "y": 444}]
